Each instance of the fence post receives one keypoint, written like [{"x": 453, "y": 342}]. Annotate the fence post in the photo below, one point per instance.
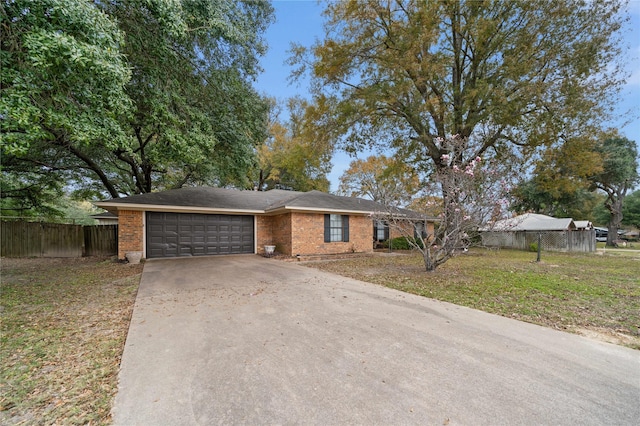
[{"x": 539, "y": 246}]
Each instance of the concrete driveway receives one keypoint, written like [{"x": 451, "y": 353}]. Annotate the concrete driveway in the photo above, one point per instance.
[{"x": 247, "y": 340}]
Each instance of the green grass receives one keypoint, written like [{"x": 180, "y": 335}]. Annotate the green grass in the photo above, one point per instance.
[
  {"x": 64, "y": 323},
  {"x": 588, "y": 294}
]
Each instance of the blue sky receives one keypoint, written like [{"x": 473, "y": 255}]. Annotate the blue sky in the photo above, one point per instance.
[{"x": 300, "y": 21}]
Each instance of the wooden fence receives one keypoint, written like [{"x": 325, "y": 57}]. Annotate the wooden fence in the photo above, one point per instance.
[
  {"x": 567, "y": 241},
  {"x": 37, "y": 239}
]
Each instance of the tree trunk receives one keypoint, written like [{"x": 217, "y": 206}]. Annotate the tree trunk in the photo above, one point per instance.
[
  {"x": 615, "y": 208},
  {"x": 429, "y": 264}
]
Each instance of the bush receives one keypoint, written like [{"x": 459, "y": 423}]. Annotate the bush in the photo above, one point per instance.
[
  {"x": 401, "y": 243},
  {"x": 533, "y": 247}
]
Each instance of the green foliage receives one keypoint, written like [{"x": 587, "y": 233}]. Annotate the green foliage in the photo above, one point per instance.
[
  {"x": 402, "y": 243},
  {"x": 196, "y": 117},
  {"x": 389, "y": 181},
  {"x": 533, "y": 247},
  {"x": 62, "y": 75},
  {"x": 631, "y": 210},
  {"x": 292, "y": 157},
  {"x": 130, "y": 97},
  {"x": 619, "y": 171},
  {"x": 619, "y": 175},
  {"x": 578, "y": 203},
  {"x": 496, "y": 79},
  {"x": 404, "y": 73}
]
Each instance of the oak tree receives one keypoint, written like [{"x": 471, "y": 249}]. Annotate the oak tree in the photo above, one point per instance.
[
  {"x": 127, "y": 97},
  {"x": 619, "y": 175},
  {"x": 505, "y": 77}
]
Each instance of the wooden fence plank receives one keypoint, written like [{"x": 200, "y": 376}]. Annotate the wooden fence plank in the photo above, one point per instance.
[
  {"x": 35, "y": 239},
  {"x": 101, "y": 240},
  {"x": 62, "y": 240},
  {"x": 21, "y": 239}
]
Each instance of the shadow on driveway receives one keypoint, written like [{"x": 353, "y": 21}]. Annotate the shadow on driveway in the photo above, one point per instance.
[{"x": 248, "y": 340}]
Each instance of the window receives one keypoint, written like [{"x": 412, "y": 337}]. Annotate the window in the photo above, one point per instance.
[
  {"x": 336, "y": 228},
  {"x": 380, "y": 230},
  {"x": 419, "y": 230}
]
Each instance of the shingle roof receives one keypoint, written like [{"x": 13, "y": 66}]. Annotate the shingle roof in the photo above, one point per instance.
[
  {"x": 315, "y": 199},
  {"x": 221, "y": 199}
]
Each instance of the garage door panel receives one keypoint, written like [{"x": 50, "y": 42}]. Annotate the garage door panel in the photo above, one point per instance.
[{"x": 191, "y": 234}]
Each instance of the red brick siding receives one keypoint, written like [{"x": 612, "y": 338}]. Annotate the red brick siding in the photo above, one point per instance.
[
  {"x": 407, "y": 229},
  {"x": 130, "y": 232},
  {"x": 264, "y": 231},
  {"x": 274, "y": 230},
  {"x": 281, "y": 233},
  {"x": 307, "y": 232}
]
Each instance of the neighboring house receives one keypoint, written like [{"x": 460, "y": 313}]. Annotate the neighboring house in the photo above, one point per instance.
[
  {"x": 556, "y": 234},
  {"x": 209, "y": 221},
  {"x": 632, "y": 235},
  {"x": 105, "y": 218},
  {"x": 583, "y": 225}
]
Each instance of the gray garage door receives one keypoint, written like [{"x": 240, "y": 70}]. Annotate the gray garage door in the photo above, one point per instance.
[{"x": 187, "y": 234}]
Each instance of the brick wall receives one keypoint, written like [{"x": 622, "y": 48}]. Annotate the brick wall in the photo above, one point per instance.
[
  {"x": 130, "y": 232},
  {"x": 263, "y": 232},
  {"x": 274, "y": 230},
  {"x": 307, "y": 232},
  {"x": 281, "y": 233},
  {"x": 407, "y": 229}
]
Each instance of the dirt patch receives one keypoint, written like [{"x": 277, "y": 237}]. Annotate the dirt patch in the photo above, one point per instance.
[
  {"x": 64, "y": 323},
  {"x": 609, "y": 336}
]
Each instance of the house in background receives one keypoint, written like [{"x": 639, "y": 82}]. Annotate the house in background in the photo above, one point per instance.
[
  {"x": 208, "y": 221},
  {"x": 105, "y": 218},
  {"x": 632, "y": 235},
  {"x": 555, "y": 234}
]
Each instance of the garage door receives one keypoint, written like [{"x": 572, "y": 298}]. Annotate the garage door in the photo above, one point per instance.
[{"x": 187, "y": 234}]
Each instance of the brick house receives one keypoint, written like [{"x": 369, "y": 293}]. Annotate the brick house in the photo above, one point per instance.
[{"x": 208, "y": 221}]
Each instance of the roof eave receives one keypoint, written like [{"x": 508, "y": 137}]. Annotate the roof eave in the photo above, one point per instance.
[
  {"x": 110, "y": 206},
  {"x": 289, "y": 209}
]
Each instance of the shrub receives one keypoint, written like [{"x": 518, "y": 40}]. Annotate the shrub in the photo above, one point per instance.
[
  {"x": 401, "y": 243},
  {"x": 533, "y": 247}
]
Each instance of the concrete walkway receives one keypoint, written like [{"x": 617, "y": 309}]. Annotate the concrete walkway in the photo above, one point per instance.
[{"x": 247, "y": 340}]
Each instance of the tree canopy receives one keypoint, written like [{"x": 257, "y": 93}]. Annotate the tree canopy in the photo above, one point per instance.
[
  {"x": 408, "y": 74},
  {"x": 386, "y": 180},
  {"x": 631, "y": 210},
  {"x": 128, "y": 97},
  {"x": 559, "y": 184},
  {"x": 619, "y": 175},
  {"x": 292, "y": 157}
]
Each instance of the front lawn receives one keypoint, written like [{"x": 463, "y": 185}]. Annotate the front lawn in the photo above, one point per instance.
[
  {"x": 64, "y": 323},
  {"x": 593, "y": 295}
]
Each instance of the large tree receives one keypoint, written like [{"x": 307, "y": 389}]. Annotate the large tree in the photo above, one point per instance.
[
  {"x": 499, "y": 75},
  {"x": 559, "y": 184},
  {"x": 619, "y": 175},
  {"x": 178, "y": 110},
  {"x": 62, "y": 86}
]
